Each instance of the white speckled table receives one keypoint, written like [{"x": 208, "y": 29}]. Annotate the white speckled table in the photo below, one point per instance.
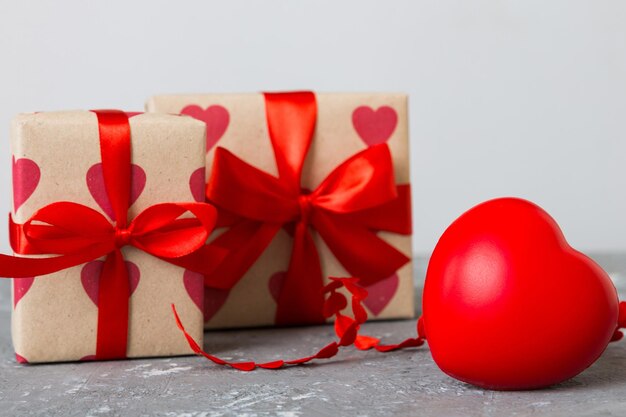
[{"x": 354, "y": 384}]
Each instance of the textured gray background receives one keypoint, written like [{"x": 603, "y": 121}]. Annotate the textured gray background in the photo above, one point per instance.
[
  {"x": 508, "y": 97},
  {"x": 403, "y": 383}
]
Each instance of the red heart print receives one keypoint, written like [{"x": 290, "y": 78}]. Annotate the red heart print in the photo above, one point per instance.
[
  {"x": 95, "y": 184},
  {"x": 380, "y": 294},
  {"x": 88, "y": 358},
  {"x": 194, "y": 284},
  {"x": 90, "y": 277},
  {"x": 20, "y": 359},
  {"x": 374, "y": 126},
  {"x": 197, "y": 183},
  {"x": 208, "y": 300},
  {"x": 275, "y": 284},
  {"x": 216, "y": 119},
  {"x": 26, "y": 176},
  {"x": 20, "y": 288},
  {"x": 214, "y": 299}
]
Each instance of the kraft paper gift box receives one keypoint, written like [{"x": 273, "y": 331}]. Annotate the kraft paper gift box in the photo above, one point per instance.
[
  {"x": 56, "y": 157},
  {"x": 345, "y": 125}
]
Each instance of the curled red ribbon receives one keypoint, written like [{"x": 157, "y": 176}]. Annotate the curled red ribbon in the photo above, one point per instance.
[
  {"x": 356, "y": 200},
  {"x": 79, "y": 234},
  {"x": 346, "y": 329}
]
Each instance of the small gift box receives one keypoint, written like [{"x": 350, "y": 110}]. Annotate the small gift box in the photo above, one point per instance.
[
  {"x": 307, "y": 186},
  {"x": 108, "y": 200}
]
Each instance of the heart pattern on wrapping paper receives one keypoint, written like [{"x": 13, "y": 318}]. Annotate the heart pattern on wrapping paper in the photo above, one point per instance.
[
  {"x": 216, "y": 119},
  {"x": 26, "y": 176},
  {"x": 95, "y": 184},
  {"x": 90, "y": 278},
  {"x": 20, "y": 359},
  {"x": 374, "y": 126},
  {"x": 275, "y": 284},
  {"x": 208, "y": 300},
  {"x": 214, "y": 299},
  {"x": 381, "y": 293},
  {"x": 194, "y": 284},
  {"x": 20, "y": 288},
  {"x": 197, "y": 183}
]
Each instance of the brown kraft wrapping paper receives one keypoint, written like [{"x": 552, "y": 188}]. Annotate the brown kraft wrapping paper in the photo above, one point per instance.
[
  {"x": 56, "y": 157},
  {"x": 346, "y": 124}
]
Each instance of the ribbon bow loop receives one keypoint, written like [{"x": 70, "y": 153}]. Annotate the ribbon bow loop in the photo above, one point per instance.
[
  {"x": 160, "y": 231},
  {"x": 363, "y": 181},
  {"x": 63, "y": 228}
]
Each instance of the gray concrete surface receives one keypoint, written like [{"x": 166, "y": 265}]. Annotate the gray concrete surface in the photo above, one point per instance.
[{"x": 354, "y": 384}]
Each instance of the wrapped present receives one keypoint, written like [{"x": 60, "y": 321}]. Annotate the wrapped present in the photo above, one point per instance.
[
  {"x": 307, "y": 186},
  {"x": 109, "y": 233}
]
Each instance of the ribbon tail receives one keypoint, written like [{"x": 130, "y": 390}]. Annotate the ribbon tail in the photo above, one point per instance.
[
  {"x": 301, "y": 300},
  {"x": 16, "y": 267},
  {"x": 621, "y": 322},
  {"x": 203, "y": 261},
  {"x": 113, "y": 308},
  {"x": 393, "y": 216},
  {"x": 326, "y": 352},
  {"x": 361, "y": 252},
  {"x": 244, "y": 243}
]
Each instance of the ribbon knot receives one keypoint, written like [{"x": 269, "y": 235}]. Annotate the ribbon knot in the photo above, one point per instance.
[
  {"x": 357, "y": 199},
  {"x": 304, "y": 201},
  {"x": 122, "y": 237}
]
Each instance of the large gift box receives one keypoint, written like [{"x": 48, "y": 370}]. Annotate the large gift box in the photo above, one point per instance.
[
  {"x": 118, "y": 304},
  {"x": 308, "y": 186}
]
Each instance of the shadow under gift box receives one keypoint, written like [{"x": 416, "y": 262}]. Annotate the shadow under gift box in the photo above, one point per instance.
[
  {"x": 56, "y": 157},
  {"x": 346, "y": 124}
]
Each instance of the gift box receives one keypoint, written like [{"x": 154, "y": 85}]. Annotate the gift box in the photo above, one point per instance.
[
  {"x": 81, "y": 312},
  {"x": 273, "y": 153}
]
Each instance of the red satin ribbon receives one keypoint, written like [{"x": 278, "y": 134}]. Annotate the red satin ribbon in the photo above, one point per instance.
[
  {"x": 355, "y": 201},
  {"x": 346, "y": 329},
  {"x": 79, "y": 234}
]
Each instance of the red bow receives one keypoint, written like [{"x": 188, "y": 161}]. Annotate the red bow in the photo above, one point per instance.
[
  {"x": 80, "y": 234},
  {"x": 357, "y": 199}
]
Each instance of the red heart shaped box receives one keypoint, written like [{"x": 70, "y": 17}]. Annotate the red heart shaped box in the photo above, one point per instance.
[{"x": 508, "y": 304}]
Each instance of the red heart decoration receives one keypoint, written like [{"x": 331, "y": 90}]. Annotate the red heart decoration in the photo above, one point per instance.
[
  {"x": 90, "y": 278},
  {"x": 209, "y": 300},
  {"x": 275, "y": 284},
  {"x": 20, "y": 288},
  {"x": 214, "y": 299},
  {"x": 374, "y": 126},
  {"x": 95, "y": 184},
  {"x": 216, "y": 118},
  {"x": 26, "y": 176},
  {"x": 197, "y": 183},
  {"x": 380, "y": 293},
  {"x": 194, "y": 284},
  {"x": 20, "y": 359},
  {"x": 508, "y": 304}
]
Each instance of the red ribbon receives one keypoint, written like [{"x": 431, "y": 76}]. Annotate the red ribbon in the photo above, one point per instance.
[
  {"x": 356, "y": 200},
  {"x": 346, "y": 329},
  {"x": 79, "y": 234}
]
